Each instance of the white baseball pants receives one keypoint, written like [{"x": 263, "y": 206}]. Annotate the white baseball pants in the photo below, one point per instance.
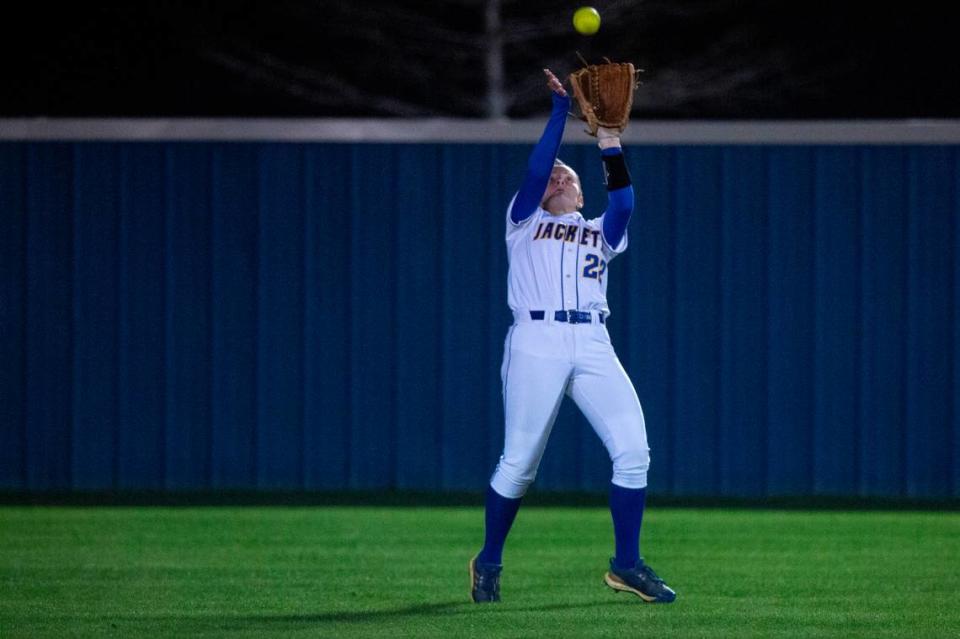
[{"x": 544, "y": 359}]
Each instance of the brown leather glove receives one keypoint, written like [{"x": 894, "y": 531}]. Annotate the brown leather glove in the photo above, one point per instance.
[{"x": 604, "y": 93}]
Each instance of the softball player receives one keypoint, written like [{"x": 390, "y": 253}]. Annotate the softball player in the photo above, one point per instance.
[{"x": 559, "y": 345}]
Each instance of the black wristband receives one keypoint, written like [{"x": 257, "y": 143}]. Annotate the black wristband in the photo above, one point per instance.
[{"x": 615, "y": 173}]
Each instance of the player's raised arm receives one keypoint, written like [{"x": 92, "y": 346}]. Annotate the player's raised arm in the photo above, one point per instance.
[
  {"x": 544, "y": 153},
  {"x": 604, "y": 95},
  {"x": 619, "y": 187}
]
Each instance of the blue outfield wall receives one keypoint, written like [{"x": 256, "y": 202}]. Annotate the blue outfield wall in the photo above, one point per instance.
[{"x": 331, "y": 316}]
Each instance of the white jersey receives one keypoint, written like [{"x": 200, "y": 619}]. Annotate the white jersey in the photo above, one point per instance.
[{"x": 558, "y": 262}]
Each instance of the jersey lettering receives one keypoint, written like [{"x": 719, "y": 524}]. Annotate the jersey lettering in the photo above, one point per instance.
[
  {"x": 567, "y": 233},
  {"x": 543, "y": 231}
]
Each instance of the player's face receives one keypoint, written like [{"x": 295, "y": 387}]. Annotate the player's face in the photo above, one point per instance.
[{"x": 563, "y": 193}]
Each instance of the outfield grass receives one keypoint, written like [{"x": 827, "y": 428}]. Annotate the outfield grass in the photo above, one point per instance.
[{"x": 387, "y": 572}]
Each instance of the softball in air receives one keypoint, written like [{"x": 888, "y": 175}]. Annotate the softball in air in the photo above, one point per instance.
[{"x": 586, "y": 20}]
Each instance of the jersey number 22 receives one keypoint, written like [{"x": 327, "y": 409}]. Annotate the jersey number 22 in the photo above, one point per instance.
[{"x": 594, "y": 267}]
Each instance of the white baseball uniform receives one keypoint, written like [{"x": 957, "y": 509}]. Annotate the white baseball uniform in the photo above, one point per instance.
[{"x": 558, "y": 272}]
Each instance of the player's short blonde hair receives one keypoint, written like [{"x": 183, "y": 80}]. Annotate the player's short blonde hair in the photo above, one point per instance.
[{"x": 560, "y": 163}]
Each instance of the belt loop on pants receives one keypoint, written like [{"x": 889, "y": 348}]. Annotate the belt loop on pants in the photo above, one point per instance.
[{"x": 569, "y": 317}]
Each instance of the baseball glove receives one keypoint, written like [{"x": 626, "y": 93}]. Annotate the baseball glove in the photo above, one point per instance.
[{"x": 604, "y": 93}]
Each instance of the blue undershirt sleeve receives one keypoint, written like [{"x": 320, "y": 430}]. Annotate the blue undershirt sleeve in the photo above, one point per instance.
[
  {"x": 540, "y": 163},
  {"x": 619, "y": 208}
]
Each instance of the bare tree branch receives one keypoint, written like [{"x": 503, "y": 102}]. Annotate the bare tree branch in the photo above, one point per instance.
[{"x": 324, "y": 92}]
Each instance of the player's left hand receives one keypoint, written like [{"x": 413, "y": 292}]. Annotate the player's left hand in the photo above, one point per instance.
[{"x": 554, "y": 84}]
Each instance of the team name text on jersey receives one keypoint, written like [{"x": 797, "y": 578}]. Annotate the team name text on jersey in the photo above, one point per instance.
[{"x": 567, "y": 233}]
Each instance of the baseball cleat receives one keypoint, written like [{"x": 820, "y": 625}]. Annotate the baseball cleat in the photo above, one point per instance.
[
  {"x": 484, "y": 581},
  {"x": 641, "y": 581}
]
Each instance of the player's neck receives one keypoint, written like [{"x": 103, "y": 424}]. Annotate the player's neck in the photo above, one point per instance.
[{"x": 561, "y": 212}]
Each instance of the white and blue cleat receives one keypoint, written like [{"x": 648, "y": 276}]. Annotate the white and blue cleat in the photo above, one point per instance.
[
  {"x": 641, "y": 581},
  {"x": 484, "y": 581}
]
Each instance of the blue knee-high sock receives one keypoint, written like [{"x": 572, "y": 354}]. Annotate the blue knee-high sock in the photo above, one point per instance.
[
  {"x": 626, "y": 507},
  {"x": 500, "y": 514}
]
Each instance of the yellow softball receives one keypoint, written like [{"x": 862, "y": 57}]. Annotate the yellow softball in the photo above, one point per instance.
[{"x": 586, "y": 20}]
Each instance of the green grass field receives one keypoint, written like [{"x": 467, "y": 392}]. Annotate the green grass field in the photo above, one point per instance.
[{"x": 387, "y": 572}]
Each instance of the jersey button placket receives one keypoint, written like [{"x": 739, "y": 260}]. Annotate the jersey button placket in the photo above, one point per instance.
[{"x": 570, "y": 271}]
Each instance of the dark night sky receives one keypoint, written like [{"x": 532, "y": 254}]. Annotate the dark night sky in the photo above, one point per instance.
[{"x": 704, "y": 60}]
